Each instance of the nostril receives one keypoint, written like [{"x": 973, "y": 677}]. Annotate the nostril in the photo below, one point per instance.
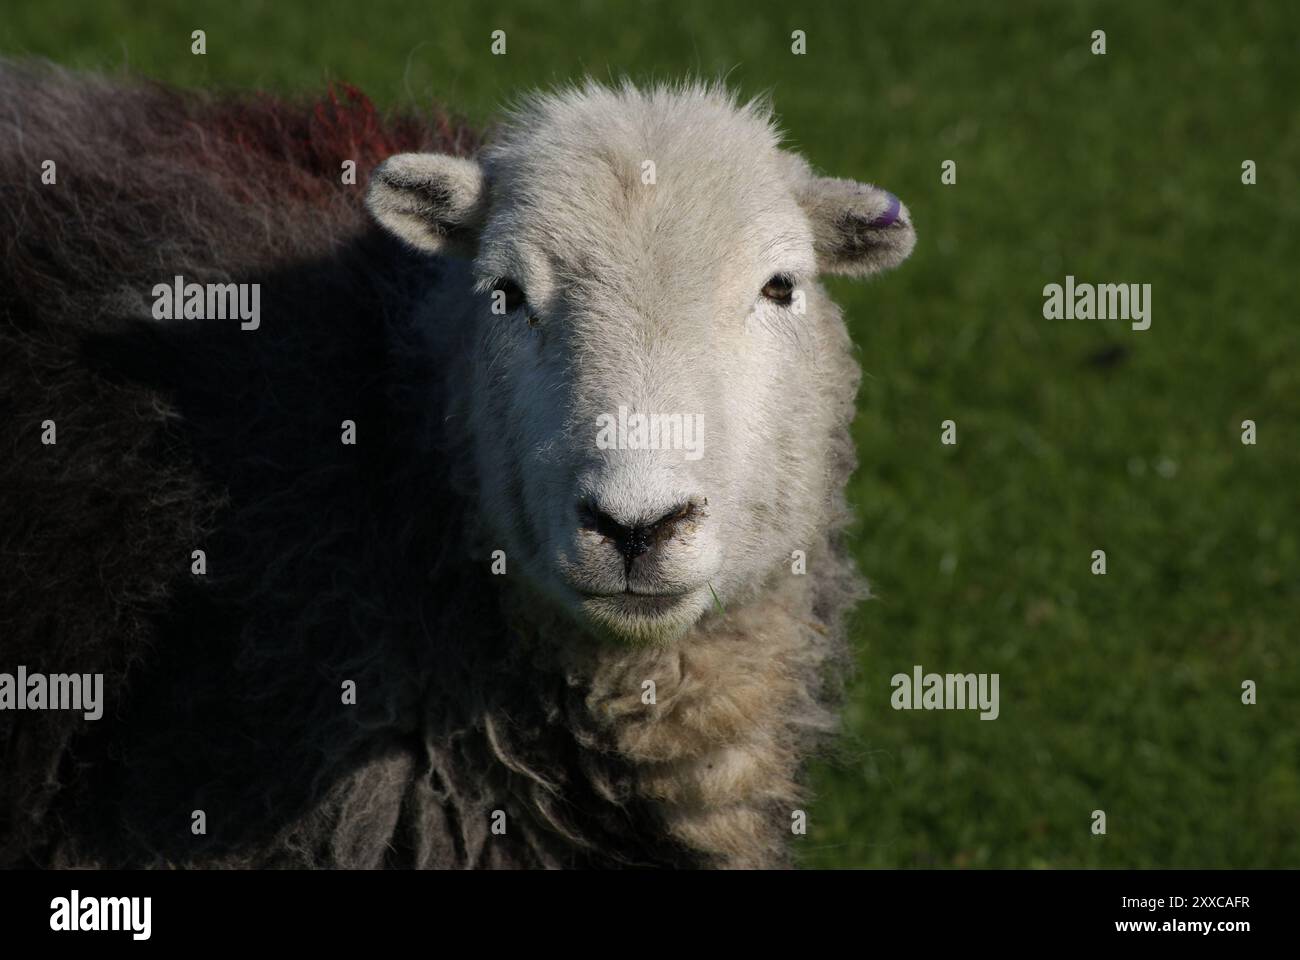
[
  {"x": 633, "y": 540},
  {"x": 665, "y": 525},
  {"x": 594, "y": 518}
]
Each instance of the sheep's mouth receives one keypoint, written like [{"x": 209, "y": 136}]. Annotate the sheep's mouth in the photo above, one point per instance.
[
  {"x": 632, "y": 596},
  {"x": 631, "y": 616},
  {"x": 631, "y": 601}
]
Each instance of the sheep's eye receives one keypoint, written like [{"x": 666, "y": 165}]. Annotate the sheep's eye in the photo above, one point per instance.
[
  {"x": 780, "y": 289},
  {"x": 511, "y": 299}
]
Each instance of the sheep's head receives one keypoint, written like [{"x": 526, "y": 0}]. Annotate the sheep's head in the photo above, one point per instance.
[{"x": 659, "y": 380}]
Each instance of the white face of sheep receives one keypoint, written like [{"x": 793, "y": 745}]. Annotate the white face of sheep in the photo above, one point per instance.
[{"x": 659, "y": 377}]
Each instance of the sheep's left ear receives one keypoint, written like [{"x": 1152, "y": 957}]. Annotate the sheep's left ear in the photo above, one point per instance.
[
  {"x": 433, "y": 201},
  {"x": 858, "y": 229}
]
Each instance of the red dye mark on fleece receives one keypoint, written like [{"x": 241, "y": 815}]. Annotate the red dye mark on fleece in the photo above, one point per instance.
[{"x": 301, "y": 147}]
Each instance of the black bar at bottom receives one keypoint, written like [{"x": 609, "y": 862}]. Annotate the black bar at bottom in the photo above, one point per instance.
[{"x": 608, "y": 911}]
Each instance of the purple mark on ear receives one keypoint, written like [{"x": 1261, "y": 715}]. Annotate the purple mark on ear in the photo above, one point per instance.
[{"x": 890, "y": 216}]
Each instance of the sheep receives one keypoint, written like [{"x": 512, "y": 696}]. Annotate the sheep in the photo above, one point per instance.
[{"x": 474, "y": 636}]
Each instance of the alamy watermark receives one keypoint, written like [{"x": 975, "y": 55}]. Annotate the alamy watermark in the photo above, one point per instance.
[
  {"x": 57, "y": 691},
  {"x": 1102, "y": 301},
  {"x": 651, "y": 431},
  {"x": 946, "y": 691},
  {"x": 179, "y": 300},
  {"x": 76, "y": 913}
]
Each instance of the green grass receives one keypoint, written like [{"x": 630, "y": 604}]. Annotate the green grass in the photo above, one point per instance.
[{"x": 1119, "y": 692}]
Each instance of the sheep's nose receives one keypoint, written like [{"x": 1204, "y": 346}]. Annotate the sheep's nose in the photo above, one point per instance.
[{"x": 634, "y": 539}]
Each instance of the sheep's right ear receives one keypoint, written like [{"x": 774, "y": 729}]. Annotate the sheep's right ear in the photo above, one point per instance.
[
  {"x": 858, "y": 229},
  {"x": 433, "y": 201}
]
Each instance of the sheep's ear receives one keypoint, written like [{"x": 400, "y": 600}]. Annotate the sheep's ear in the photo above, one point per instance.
[
  {"x": 433, "y": 201},
  {"x": 858, "y": 229}
]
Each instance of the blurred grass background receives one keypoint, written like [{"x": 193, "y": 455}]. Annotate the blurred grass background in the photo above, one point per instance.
[{"x": 1119, "y": 692}]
